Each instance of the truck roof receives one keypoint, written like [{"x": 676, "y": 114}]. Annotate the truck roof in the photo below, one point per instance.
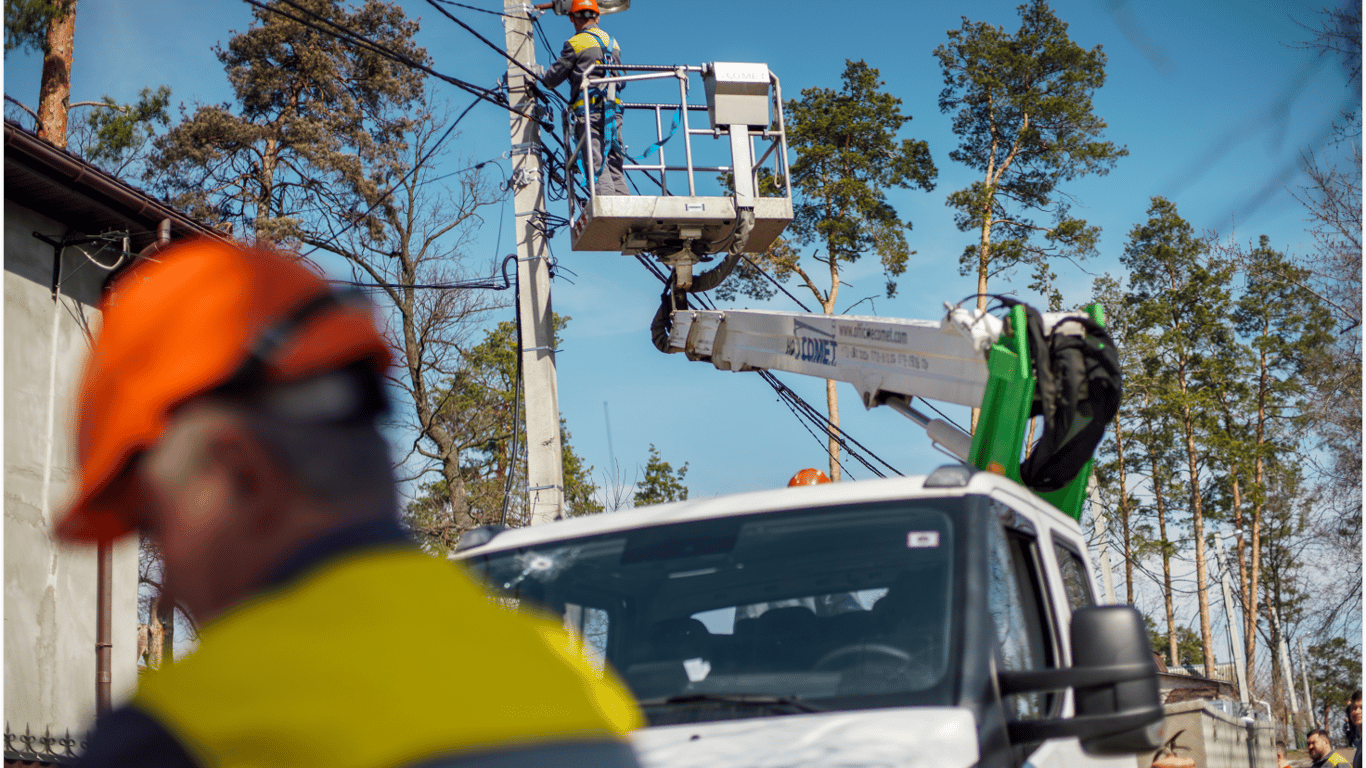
[{"x": 802, "y": 497}]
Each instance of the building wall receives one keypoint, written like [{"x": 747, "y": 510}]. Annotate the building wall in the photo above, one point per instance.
[
  {"x": 50, "y": 587},
  {"x": 1215, "y": 739}
]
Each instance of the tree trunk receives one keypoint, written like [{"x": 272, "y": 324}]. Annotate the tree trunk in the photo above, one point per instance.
[
  {"x": 1197, "y": 520},
  {"x": 1259, "y": 488},
  {"x": 266, "y": 181},
  {"x": 166, "y": 618},
  {"x": 1124, "y": 513},
  {"x": 983, "y": 267},
  {"x": 154, "y": 632},
  {"x": 1277, "y": 688},
  {"x": 54, "y": 92},
  {"x": 832, "y": 404},
  {"x": 1166, "y": 570}
]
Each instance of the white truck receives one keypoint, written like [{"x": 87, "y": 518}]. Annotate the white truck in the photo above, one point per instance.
[{"x": 939, "y": 620}]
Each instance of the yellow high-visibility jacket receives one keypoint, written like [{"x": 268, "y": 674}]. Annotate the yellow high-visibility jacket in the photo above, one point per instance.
[{"x": 379, "y": 655}]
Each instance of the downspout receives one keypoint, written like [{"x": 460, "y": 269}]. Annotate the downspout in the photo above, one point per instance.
[
  {"x": 104, "y": 577},
  {"x": 104, "y": 645}
]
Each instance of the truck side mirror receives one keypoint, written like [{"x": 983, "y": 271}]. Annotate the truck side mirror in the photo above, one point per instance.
[
  {"x": 1113, "y": 636},
  {"x": 1118, "y": 707}
]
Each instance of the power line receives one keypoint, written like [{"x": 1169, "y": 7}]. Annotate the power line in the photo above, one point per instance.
[
  {"x": 800, "y": 408},
  {"x": 501, "y": 51},
  {"x": 771, "y": 279},
  {"x": 481, "y": 10},
  {"x": 412, "y": 172},
  {"x": 346, "y": 35}
]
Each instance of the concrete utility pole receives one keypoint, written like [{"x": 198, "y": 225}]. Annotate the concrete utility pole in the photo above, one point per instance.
[
  {"x": 1235, "y": 647},
  {"x": 544, "y": 458},
  {"x": 1304, "y": 678},
  {"x": 1287, "y": 678},
  {"x": 1101, "y": 527}
]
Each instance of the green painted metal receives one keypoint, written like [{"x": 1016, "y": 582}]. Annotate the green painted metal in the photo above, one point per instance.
[{"x": 998, "y": 443}]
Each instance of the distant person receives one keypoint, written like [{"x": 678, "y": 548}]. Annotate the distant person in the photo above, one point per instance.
[
  {"x": 1321, "y": 750},
  {"x": 1352, "y": 729},
  {"x": 1281, "y": 760},
  {"x": 602, "y": 133},
  {"x": 228, "y": 413},
  {"x": 1351, "y": 726}
]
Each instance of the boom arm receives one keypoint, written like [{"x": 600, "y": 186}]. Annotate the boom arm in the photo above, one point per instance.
[
  {"x": 888, "y": 360},
  {"x": 967, "y": 358}
]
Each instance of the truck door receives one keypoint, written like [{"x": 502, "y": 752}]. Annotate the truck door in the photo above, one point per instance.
[{"x": 1029, "y": 631}]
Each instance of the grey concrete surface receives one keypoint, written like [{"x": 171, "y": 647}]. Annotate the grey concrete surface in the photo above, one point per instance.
[{"x": 49, "y": 587}]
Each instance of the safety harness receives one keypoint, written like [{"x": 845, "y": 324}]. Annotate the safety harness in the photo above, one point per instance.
[{"x": 603, "y": 101}]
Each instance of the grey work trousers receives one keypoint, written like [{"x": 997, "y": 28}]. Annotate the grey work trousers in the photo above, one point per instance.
[{"x": 610, "y": 180}]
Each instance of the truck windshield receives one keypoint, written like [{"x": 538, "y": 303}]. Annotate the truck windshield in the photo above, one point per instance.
[{"x": 830, "y": 608}]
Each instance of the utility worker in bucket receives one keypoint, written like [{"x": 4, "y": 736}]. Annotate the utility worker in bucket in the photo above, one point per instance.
[
  {"x": 590, "y": 45},
  {"x": 228, "y": 413}
]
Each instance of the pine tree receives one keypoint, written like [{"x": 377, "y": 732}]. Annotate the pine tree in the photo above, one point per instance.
[
  {"x": 478, "y": 412},
  {"x": 848, "y": 156},
  {"x": 311, "y": 123},
  {"x": 1182, "y": 303},
  {"x": 1022, "y": 110},
  {"x": 662, "y": 483}
]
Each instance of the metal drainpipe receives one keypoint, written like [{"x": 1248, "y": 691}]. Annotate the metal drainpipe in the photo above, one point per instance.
[
  {"x": 104, "y": 578},
  {"x": 103, "y": 643}
]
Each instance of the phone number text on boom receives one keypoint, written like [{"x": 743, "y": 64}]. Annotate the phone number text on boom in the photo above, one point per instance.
[{"x": 899, "y": 359}]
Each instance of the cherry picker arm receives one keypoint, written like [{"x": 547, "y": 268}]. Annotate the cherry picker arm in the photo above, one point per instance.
[{"x": 967, "y": 358}]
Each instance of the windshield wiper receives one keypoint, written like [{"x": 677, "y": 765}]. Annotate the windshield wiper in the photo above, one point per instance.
[{"x": 753, "y": 699}]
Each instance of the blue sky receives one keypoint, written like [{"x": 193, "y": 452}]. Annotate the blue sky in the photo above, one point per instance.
[{"x": 1211, "y": 99}]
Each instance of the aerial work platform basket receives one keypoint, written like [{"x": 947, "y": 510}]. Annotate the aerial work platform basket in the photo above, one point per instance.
[{"x": 743, "y": 106}]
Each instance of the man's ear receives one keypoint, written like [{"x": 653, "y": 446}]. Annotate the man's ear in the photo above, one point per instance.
[{"x": 258, "y": 485}]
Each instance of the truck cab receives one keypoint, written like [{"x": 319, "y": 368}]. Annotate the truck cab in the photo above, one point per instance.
[{"x": 942, "y": 620}]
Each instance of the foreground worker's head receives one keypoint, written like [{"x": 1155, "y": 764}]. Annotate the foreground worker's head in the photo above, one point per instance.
[
  {"x": 583, "y": 13},
  {"x": 1354, "y": 709},
  {"x": 228, "y": 413},
  {"x": 808, "y": 476},
  {"x": 1319, "y": 745}
]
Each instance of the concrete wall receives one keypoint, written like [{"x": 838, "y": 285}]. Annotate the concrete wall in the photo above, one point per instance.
[
  {"x": 50, "y": 587},
  {"x": 1215, "y": 739}
]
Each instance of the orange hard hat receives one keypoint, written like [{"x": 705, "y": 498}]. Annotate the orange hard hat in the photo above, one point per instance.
[
  {"x": 584, "y": 5},
  {"x": 808, "y": 476},
  {"x": 195, "y": 319}
]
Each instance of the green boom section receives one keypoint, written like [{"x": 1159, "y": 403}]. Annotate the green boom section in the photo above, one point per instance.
[{"x": 998, "y": 444}]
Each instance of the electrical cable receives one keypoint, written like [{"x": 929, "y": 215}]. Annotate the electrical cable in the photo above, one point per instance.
[
  {"x": 501, "y": 51},
  {"x": 805, "y": 425},
  {"x": 804, "y": 411},
  {"x": 516, "y": 414},
  {"x": 545, "y": 39},
  {"x": 780, "y": 286},
  {"x": 346, "y": 35},
  {"x": 481, "y": 10},
  {"x": 406, "y": 176},
  {"x": 484, "y": 284},
  {"x": 942, "y": 415},
  {"x": 794, "y": 404}
]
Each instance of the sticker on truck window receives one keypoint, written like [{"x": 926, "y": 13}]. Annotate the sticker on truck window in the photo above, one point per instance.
[{"x": 922, "y": 540}]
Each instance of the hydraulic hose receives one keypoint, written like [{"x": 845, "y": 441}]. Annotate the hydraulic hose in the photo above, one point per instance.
[
  {"x": 663, "y": 324},
  {"x": 714, "y": 276}
]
